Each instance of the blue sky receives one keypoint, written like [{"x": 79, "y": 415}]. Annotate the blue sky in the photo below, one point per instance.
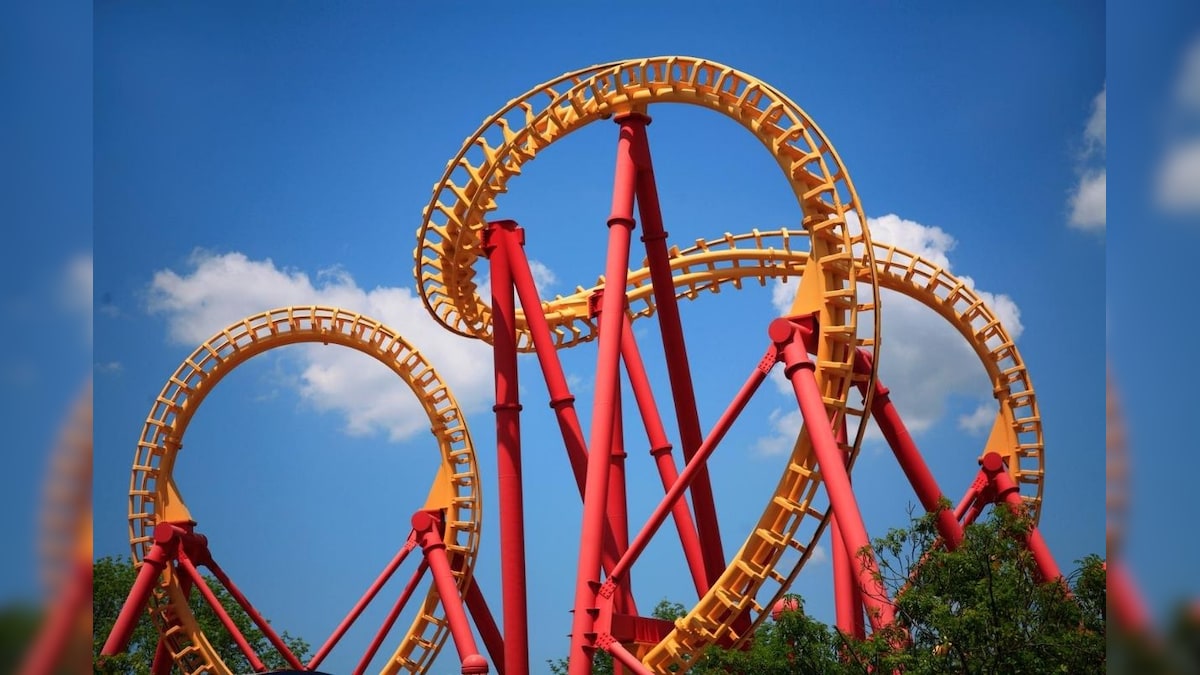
[{"x": 248, "y": 157}]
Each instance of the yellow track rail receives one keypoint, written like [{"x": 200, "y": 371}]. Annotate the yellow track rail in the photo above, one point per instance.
[
  {"x": 449, "y": 246},
  {"x": 154, "y": 497}
]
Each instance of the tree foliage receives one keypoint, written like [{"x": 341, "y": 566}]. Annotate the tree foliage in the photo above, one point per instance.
[
  {"x": 978, "y": 609},
  {"x": 112, "y": 577}
]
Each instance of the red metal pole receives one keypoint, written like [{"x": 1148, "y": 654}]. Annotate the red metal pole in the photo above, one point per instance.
[
  {"x": 428, "y": 527},
  {"x": 163, "y": 662},
  {"x": 53, "y": 639},
  {"x": 362, "y": 603},
  {"x": 638, "y": 545},
  {"x": 390, "y": 619},
  {"x": 618, "y": 516},
  {"x": 620, "y": 227},
  {"x": 508, "y": 450},
  {"x": 254, "y": 615},
  {"x": 678, "y": 371},
  {"x": 165, "y": 548},
  {"x": 969, "y": 498},
  {"x": 561, "y": 399},
  {"x": 660, "y": 448},
  {"x": 910, "y": 459},
  {"x": 799, "y": 369},
  {"x": 1128, "y": 606},
  {"x": 623, "y": 656},
  {"x": 190, "y": 570},
  {"x": 493, "y": 642},
  {"x": 847, "y": 594},
  {"x": 1007, "y": 490}
]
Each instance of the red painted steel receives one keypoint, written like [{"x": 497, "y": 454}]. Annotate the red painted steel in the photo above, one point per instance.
[
  {"x": 1127, "y": 604},
  {"x": 508, "y": 453},
  {"x": 254, "y": 615},
  {"x": 390, "y": 619},
  {"x": 165, "y": 548},
  {"x": 493, "y": 641},
  {"x": 799, "y": 369},
  {"x": 660, "y": 448},
  {"x": 362, "y": 603},
  {"x": 639, "y": 543},
  {"x": 46, "y": 654},
  {"x": 620, "y": 227},
  {"x": 428, "y": 527},
  {"x": 678, "y": 370},
  {"x": 623, "y": 657},
  {"x": 848, "y": 603},
  {"x": 1008, "y": 492},
  {"x": 909, "y": 457},
  {"x": 185, "y": 565}
]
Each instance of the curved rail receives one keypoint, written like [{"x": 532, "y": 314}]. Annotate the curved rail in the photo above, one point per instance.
[
  {"x": 449, "y": 243},
  {"x": 154, "y": 497}
]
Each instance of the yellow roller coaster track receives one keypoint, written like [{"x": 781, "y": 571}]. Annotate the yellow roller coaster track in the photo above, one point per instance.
[
  {"x": 154, "y": 497},
  {"x": 449, "y": 246}
]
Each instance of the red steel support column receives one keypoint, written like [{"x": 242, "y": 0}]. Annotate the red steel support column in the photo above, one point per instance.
[
  {"x": 190, "y": 570},
  {"x": 53, "y": 639},
  {"x": 1007, "y": 491},
  {"x": 1127, "y": 605},
  {"x": 254, "y": 615},
  {"x": 165, "y": 549},
  {"x": 508, "y": 449},
  {"x": 800, "y": 370},
  {"x": 390, "y": 619},
  {"x": 909, "y": 457},
  {"x": 847, "y": 594},
  {"x": 622, "y": 656},
  {"x": 660, "y": 448},
  {"x": 678, "y": 370},
  {"x": 163, "y": 663},
  {"x": 493, "y": 642},
  {"x": 620, "y": 228},
  {"x": 639, "y": 543},
  {"x": 428, "y": 527},
  {"x": 362, "y": 603},
  {"x": 561, "y": 399}
]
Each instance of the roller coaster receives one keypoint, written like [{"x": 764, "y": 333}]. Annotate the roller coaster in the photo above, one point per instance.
[{"x": 827, "y": 345}]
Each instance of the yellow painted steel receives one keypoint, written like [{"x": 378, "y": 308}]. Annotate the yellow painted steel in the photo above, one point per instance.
[
  {"x": 831, "y": 232},
  {"x": 153, "y": 497},
  {"x": 757, "y": 257}
]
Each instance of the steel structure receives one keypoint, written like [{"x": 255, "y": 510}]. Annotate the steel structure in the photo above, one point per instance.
[{"x": 827, "y": 345}]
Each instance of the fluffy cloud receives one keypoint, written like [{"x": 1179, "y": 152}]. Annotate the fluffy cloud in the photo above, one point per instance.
[
  {"x": 1088, "y": 200},
  {"x": 75, "y": 290},
  {"x": 1178, "y": 188},
  {"x": 218, "y": 289},
  {"x": 925, "y": 361}
]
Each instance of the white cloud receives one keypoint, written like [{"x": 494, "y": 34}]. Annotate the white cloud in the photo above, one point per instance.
[
  {"x": 75, "y": 290},
  {"x": 108, "y": 367},
  {"x": 924, "y": 361},
  {"x": 1179, "y": 178},
  {"x": 785, "y": 427},
  {"x": 218, "y": 289},
  {"x": 1088, "y": 199},
  {"x": 980, "y": 420},
  {"x": 1089, "y": 206}
]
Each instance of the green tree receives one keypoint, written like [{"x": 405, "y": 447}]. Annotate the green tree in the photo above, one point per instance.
[
  {"x": 112, "y": 577},
  {"x": 977, "y": 609}
]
